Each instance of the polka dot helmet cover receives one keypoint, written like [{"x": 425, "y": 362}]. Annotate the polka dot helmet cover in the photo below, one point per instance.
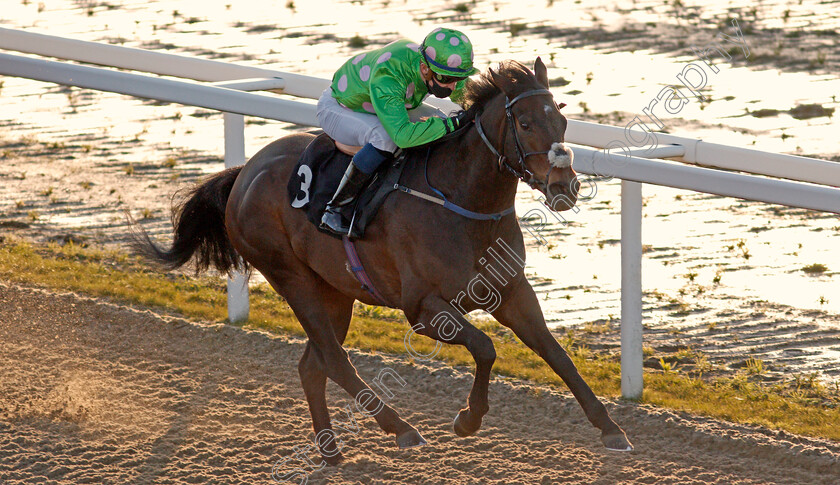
[{"x": 449, "y": 52}]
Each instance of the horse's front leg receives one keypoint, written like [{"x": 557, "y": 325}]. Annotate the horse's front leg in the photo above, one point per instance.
[
  {"x": 437, "y": 319},
  {"x": 520, "y": 311}
]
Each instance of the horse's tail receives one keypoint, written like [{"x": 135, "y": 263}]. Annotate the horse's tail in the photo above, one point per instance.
[{"x": 199, "y": 222}]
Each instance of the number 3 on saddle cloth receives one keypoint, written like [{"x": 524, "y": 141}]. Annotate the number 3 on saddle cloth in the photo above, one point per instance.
[{"x": 317, "y": 174}]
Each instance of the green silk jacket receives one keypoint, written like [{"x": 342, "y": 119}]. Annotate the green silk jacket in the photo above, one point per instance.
[{"x": 387, "y": 82}]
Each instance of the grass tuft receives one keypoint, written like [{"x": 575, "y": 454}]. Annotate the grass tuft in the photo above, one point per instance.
[
  {"x": 815, "y": 269},
  {"x": 754, "y": 366},
  {"x": 516, "y": 28},
  {"x": 357, "y": 42}
]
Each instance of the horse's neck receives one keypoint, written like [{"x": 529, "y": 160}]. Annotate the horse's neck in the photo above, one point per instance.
[{"x": 468, "y": 175}]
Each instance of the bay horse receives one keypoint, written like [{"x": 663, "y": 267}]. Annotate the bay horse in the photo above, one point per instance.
[{"x": 419, "y": 255}]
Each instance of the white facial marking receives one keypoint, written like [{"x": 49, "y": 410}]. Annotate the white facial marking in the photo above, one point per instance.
[
  {"x": 560, "y": 155},
  {"x": 548, "y": 109}
]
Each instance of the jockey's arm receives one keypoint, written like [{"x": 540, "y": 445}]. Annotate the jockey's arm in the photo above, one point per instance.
[{"x": 388, "y": 100}]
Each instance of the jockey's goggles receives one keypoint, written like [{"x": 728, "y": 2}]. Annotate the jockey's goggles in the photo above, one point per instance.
[{"x": 442, "y": 79}]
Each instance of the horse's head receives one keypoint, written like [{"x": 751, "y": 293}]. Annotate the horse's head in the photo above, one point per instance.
[{"x": 531, "y": 130}]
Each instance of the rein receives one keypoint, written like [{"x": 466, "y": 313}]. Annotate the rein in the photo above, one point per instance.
[
  {"x": 447, "y": 204},
  {"x": 522, "y": 172}
]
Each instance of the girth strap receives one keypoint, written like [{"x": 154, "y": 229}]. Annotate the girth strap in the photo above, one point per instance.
[{"x": 359, "y": 271}]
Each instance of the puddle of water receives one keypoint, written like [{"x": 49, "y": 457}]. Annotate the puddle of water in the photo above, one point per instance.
[
  {"x": 579, "y": 278},
  {"x": 88, "y": 221},
  {"x": 693, "y": 242}
]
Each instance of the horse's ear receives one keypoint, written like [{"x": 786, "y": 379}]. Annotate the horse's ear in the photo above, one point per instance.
[
  {"x": 497, "y": 80},
  {"x": 501, "y": 81},
  {"x": 541, "y": 72}
]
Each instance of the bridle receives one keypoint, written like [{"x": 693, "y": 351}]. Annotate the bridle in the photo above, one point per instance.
[{"x": 521, "y": 172}]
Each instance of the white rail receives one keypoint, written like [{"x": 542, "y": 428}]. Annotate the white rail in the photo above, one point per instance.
[
  {"x": 160, "y": 63},
  {"x": 710, "y": 181},
  {"x": 172, "y": 90},
  {"x": 805, "y": 186},
  {"x": 705, "y": 154},
  {"x": 237, "y": 285}
]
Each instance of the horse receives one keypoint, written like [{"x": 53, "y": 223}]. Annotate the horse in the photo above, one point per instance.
[{"x": 420, "y": 255}]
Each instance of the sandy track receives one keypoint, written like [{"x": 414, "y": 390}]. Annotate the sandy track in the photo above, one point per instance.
[{"x": 92, "y": 392}]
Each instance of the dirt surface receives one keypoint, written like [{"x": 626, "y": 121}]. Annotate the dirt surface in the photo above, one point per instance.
[{"x": 93, "y": 392}]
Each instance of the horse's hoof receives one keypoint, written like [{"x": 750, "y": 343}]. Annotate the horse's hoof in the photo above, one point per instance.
[
  {"x": 616, "y": 442},
  {"x": 410, "y": 439},
  {"x": 333, "y": 460},
  {"x": 460, "y": 426}
]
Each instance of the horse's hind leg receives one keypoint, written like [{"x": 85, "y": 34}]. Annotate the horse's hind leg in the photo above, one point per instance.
[
  {"x": 438, "y": 320},
  {"x": 308, "y": 296},
  {"x": 313, "y": 379}
]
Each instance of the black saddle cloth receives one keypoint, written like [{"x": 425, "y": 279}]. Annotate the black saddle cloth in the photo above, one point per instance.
[{"x": 317, "y": 175}]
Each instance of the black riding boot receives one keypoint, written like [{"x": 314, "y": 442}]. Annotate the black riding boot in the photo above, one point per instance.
[
  {"x": 364, "y": 164},
  {"x": 350, "y": 186}
]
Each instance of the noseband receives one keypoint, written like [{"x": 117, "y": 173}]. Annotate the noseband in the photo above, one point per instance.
[{"x": 521, "y": 172}]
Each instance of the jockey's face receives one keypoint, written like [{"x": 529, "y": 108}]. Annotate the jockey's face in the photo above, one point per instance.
[{"x": 428, "y": 77}]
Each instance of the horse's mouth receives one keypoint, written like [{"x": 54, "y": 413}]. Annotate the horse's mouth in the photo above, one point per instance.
[
  {"x": 560, "y": 202},
  {"x": 562, "y": 194}
]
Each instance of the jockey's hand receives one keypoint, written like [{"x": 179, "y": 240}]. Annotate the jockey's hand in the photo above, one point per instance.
[{"x": 458, "y": 121}]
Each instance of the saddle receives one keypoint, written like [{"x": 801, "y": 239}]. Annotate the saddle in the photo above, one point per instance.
[{"x": 317, "y": 175}]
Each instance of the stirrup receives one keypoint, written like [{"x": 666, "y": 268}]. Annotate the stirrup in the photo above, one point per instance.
[{"x": 333, "y": 222}]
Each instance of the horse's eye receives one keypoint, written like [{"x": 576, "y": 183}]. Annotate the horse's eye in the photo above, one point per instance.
[
  {"x": 523, "y": 125},
  {"x": 561, "y": 105}
]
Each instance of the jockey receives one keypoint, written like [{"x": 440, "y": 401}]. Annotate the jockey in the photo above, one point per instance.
[{"x": 371, "y": 96}]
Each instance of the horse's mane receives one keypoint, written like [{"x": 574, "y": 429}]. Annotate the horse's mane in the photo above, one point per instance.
[{"x": 479, "y": 92}]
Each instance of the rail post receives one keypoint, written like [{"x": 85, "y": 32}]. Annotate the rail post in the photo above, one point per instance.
[
  {"x": 237, "y": 286},
  {"x": 631, "y": 289}
]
